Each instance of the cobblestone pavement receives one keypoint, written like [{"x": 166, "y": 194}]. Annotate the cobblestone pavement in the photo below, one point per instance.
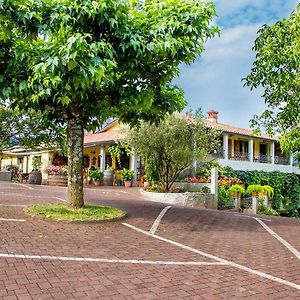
[{"x": 194, "y": 253}]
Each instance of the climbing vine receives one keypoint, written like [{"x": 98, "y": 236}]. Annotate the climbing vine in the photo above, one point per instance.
[
  {"x": 115, "y": 151},
  {"x": 286, "y": 187}
]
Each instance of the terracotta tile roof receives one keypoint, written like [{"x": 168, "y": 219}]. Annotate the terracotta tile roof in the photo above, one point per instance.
[
  {"x": 236, "y": 130},
  {"x": 105, "y": 137},
  {"x": 102, "y": 137}
]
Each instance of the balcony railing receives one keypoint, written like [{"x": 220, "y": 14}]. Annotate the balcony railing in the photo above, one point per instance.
[
  {"x": 243, "y": 156},
  {"x": 263, "y": 158},
  {"x": 218, "y": 153},
  {"x": 282, "y": 160}
]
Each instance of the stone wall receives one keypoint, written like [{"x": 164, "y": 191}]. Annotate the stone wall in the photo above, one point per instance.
[{"x": 185, "y": 199}]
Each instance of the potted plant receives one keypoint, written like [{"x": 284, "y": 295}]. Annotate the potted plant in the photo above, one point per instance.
[
  {"x": 96, "y": 176},
  {"x": 236, "y": 190},
  {"x": 57, "y": 175},
  {"x": 268, "y": 191},
  {"x": 127, "y": 176},
  {"x": 255, "y": 190}
]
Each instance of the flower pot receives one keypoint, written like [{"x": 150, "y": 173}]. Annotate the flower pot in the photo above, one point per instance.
[
  {"x": 236, "y": 195},
  {"x": 96, "y": 182},
  {"x": 35, "y": 177},
  {"x": 127, "y": 183},
  {"x": 57, "y": 180}
]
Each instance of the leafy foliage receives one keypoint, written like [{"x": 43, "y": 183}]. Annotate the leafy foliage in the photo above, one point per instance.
[
  {"x": 172, "y": 146},
  {"x": 31, "y": 130},
  {"x": 236, "y": 188},
  {"x": 96, "y": 174},
  {"x": 276, "y": 69},
  {"x": 86, "y": 61},
  {"x": 127, "y": 175},
  {"x": 286, "y": 187}
]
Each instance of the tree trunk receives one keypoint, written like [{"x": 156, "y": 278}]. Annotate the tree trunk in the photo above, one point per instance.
[{"x": 75, "y": 163}]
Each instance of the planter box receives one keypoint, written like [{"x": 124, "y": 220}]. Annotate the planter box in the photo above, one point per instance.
[
  {"x": 185, "y": 199},
  {"x": 5, "y": 176},
  {"x": 57, "y": 180}
]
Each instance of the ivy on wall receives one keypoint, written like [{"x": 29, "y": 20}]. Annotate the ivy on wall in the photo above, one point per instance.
[{"x": 286, "y": 187}]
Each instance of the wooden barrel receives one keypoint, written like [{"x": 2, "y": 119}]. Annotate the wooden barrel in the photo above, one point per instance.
[
  {"x": 58, "y": 180},
  {"x": 35, "y": 177},
  {"x": 108, "y": 177}
]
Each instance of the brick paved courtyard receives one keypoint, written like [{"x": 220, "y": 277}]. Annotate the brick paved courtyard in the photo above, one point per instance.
[{"x": 192, "y": 253}]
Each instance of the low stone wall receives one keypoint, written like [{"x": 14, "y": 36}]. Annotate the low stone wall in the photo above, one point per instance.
[
  {"x": 185, "y": 199},
  {"x": 5, "y": 176},
  {"x": 191, "y": 186}
]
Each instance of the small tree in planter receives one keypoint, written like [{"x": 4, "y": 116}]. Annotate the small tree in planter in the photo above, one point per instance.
[
  {"x": 236, "y": 191},
  {"x": 268, "y": 193},
  {"x": 96, "y": 176},
  {"x": 127, "y": 176},
  {"x": 255, "y": 190}
]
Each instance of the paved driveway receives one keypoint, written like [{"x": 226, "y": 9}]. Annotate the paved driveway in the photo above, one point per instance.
[{"x": 158, "y": 252}]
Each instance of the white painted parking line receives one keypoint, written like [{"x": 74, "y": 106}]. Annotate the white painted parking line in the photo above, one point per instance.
[
  {"x": 26, "y": 196},
  {"x": 279, "y": 238},
  {"x": 26, "y": 186},
  {"x": 251, "y": 217},
  {"x": 158, "y": 219},
  {"x": 221, "y": 260},
  {"x": 105, "y": 260},
  {"x": 12, "y": 205},
  {"x": 60, "y": 199},
  {"x": 12, "y": 220}
]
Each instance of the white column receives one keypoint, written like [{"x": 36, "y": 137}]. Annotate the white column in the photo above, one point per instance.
[
  {"x": 291, "y": 160},
  {"x": 102, "y": 158},
  {"x": 214, "y": 186},
  {"x": 133, "y": 166},
  {"x": 225, "y": 146},
  {"x": 250, "y": 150},
  {"x": 272, "y": 153}
]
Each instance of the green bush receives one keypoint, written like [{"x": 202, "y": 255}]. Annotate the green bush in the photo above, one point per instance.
[
  {"x": 286, "y": 187},
  {"x": 224, "y": 198}
]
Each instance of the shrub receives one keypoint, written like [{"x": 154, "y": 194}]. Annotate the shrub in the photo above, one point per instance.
[
  {"x": 127, "y": 175},
  {"x": 96, "y": 174}
]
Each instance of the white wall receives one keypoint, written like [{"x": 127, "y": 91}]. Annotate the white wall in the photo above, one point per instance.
[{"x": 246, "y": 165}]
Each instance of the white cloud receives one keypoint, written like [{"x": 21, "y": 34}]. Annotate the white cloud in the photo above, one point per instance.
[{"x": 214, "y": 80}]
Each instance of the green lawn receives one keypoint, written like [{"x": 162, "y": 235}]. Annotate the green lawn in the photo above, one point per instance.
[{"x": 62, "y": 212}]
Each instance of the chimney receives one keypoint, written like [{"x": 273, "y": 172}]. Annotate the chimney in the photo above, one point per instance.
[{"x": 212, "y": 116}]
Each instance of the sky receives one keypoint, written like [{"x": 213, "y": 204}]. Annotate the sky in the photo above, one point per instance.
[{"x": 213, "y": 81}]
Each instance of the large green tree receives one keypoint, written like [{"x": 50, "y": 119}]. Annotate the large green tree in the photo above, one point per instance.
[
  {"x": 277, "y": 70},
  {"x": 85, "y": 61},
  {"x": 172, "y": 146}
]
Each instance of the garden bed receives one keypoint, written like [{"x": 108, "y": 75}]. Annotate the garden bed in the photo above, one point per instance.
[{"x": 185, "y": 199}]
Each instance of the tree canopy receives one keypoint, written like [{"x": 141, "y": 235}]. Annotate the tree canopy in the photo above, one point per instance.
[
  {"x": 276, "y": 70},
  {"x": 172, "y": 146},
  {"x": 86, "y": 61},
  {"x": 29, "y": 130}
]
